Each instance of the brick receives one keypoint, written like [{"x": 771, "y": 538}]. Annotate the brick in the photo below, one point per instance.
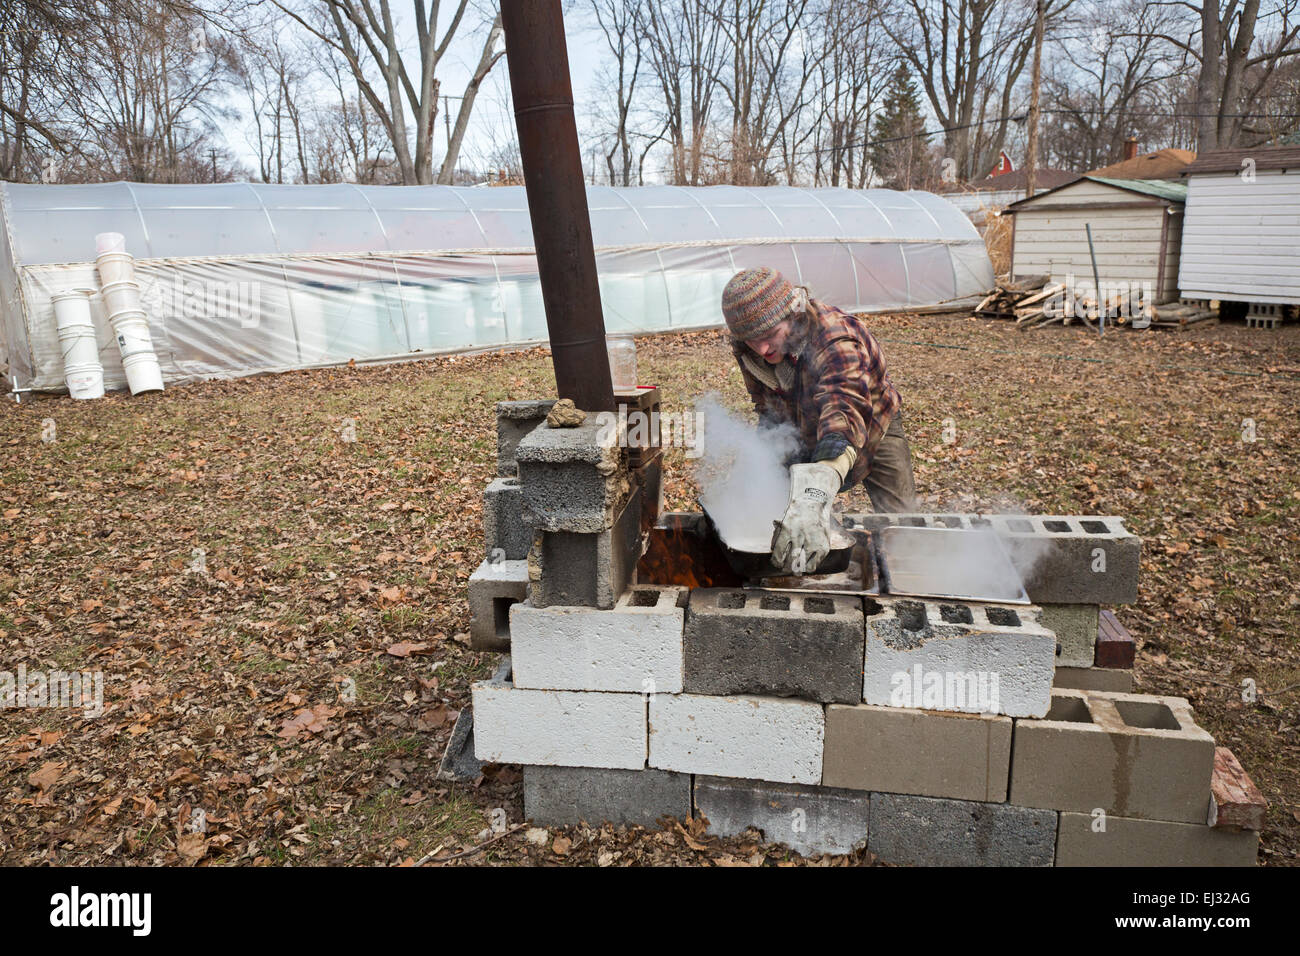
[
  {"x": 774, "y": 644},
  {"x": 493, "y": 588},
  {"x": 964, "y": 757},
  {"x": 1116, "y": 680},
  {"x": 555, "y": 727},
  {"x": 639, "y": 415},
  {"x": 574, "y": 479},
  {"x": 635, "y": 648},
  {"x": 758, "y": 738},
  {"x": 1131, "y": 755},
  {"x": 1075, "y": 627},
  {"x": 1235, "y": 801},
  {"x": 809, "y": 820},
  {"x": 925, "y": 831},
  {"x": 503, "y": 525},
  {"x": 585, "y": 570},
  {"x": 514, "y": 421},
  {"x": 956, "y": 656},
  {"x": 563, "y": 796},
  {"x": 1129, "y": 842},
  {"x": 1115, "y": 645}
]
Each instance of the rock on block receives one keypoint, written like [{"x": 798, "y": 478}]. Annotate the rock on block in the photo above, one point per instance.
[
  {"x": 493, "y": 588},
  {"x": 504, "y": 529},
  {"x": 1114, "y": 679},
  {"x": 1235, "y": 801},
  {"x": 574, "y": 479},
  {"x": 585, "y": 570},
  {"x": 1131, "y": 755},
  {"x": 1128, "y": 842},
  {"x": 635, "y": 648},
  {"x": 770, "y": 644},
  {"x": 564, "y": 728},
  {"x": 563, "y": 796},
  {"x": 514, "y": 421},
  {"x": 809, "y": 820},
  {"x": 1065, "y": 559},
  {"x": 758, "y": 738},
  {"x": 968, "y": 658},
  {"x": 924, "y": 831},
  {"x": 918, "y": 752},
  {"x": 1075, "y": 627}
]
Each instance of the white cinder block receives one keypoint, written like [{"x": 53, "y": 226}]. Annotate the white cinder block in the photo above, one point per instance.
[
  {"x": 635, "y": 648},
  {"x": 757, "y": 738},
  {"x": 963, "y": 657},
  {"x": 558, "y": 728}
]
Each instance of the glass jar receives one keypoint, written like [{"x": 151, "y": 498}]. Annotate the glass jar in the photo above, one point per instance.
[{"x": 622, "y": 361}]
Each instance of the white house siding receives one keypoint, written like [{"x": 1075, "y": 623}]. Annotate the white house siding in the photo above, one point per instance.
[
  {"x": 1127, "y": 240},
  {"x": 1241, "y": 240}
]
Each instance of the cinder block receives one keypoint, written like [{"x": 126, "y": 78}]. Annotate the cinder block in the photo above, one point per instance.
[
  {"x": 503, "y": 524},
  {"x": 1065, "y": 559},
  {"x": 1114, "y": 679},
  {"x": 635, "y": 648},
  {"x": 925, "y": 831},
  {"x": 585, "y": 570},
  {"x": 758, "y": 738},
  {"x": 493, "y": 588},
  {"x": 1115, "y": 645},
  {"x": 574, "y": 479},
  {"x": 1235, "y": 801},
  {"x": 954, "y": 656},
  {"x": 1075, "y": 627},
  {"x": 1131, "y": 755},
  {"x": 1129, "y": 842},
  {"x": 774, "y": 644},
  {"x": 514, "y": 421},
  {"x": 558, "y": 728},
  {"x": 563, "y": 796},
  {"x": 809, "y": 820},
  {"x": 964, "y": 757}
]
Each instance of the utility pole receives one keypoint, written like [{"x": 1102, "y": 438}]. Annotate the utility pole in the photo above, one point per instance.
[
  {"x": 213, "y": 154},
  {"x": 1031, "y": 159}
]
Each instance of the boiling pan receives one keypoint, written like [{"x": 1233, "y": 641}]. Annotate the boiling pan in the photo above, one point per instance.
[{"x": 758, "y": 564}]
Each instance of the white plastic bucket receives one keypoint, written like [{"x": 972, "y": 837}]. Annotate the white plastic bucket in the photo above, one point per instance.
[
  {"x": 142, "y": 372},
  {"x": 85, "y": 380},
  {"x": 132, "y": 331},
  {"x": 115, "y": 267},
  {"x": 76, "y": 329},
  {"x": 109, "y": 242},
  {"x": 120, "y": 296}
]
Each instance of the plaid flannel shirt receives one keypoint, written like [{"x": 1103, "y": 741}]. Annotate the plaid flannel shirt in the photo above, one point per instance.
[{"x": 840, "y": 385}]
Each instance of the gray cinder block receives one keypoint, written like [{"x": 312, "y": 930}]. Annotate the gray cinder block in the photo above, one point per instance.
[
  {"x": 926, "y": 831},
  {"x": 514, "y": 421},
  {"x": 775, "y": 644},
  {"x": 504, "y": 527},
  {"x": 1088, "y": 840},
  {"x": 493, "y": 588},
  {"x": 563, "y": 796},
  {"x": 809, "y": 820},
  {"x": 1075, "y": 627},
  {"x": 586, "y": 569},
  {"x": 1114, "y": 679},
  {"x": 574, "y": 479},
  {"x": 1130, "y": 755}
]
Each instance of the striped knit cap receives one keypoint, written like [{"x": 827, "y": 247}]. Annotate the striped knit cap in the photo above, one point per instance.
[{"x": 755, "y": 300}]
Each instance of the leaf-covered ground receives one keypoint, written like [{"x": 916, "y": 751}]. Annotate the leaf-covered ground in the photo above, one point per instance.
[{"x": 270, "y": 574}]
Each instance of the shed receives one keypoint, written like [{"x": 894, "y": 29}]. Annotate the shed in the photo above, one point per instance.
[
  {"x": 1136, "y": 230},
  {"x": 1242, "y": 227}
]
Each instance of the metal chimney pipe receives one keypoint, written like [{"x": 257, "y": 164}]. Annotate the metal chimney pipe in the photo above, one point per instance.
[{"x": 538, "y": 60}]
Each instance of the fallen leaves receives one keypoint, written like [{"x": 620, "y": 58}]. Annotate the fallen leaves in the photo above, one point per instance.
[{"x": 306, "y": 721}]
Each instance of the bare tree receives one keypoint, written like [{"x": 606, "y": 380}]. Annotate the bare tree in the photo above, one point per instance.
[{"x": 487, "y": 59}]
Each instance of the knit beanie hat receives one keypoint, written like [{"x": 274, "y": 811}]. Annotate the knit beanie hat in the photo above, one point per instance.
[{"x": 755, "y": 300}]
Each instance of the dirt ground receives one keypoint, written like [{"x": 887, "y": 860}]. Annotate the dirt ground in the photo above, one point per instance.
[{"x": 270, "y": 574}]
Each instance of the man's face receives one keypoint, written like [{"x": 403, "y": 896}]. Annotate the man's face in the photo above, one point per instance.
[{"x": 772, "y": 345}]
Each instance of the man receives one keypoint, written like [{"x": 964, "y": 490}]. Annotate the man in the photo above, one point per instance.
[{"x": 817, "y": 367}]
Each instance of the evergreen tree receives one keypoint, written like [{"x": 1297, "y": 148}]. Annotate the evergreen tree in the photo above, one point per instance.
[{"x": 899, "y": 154}]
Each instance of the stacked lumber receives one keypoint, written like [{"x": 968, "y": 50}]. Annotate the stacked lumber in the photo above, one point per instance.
[
  {"x": 1175, "y": 315},
  {"x": 1021, "y": 302},
  {"x": 1054, "y": 304}
]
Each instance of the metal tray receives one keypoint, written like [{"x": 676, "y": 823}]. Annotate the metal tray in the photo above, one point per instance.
[
  {"x": 953, "y": 563},
  {"x": 758, "y": 564}
]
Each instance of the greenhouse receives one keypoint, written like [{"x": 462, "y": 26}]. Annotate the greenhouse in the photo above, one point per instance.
[{"x": 242, "y": 278}]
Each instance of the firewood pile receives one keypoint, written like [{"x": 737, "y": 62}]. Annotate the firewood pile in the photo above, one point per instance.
[{"x": 1036, "y": 302}]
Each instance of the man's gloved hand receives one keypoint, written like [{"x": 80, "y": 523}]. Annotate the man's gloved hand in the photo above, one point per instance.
[{"x": 802, "y": 538}]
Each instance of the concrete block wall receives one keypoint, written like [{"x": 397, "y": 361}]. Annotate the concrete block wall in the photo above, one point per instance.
[{"x": 514, "y": 421}]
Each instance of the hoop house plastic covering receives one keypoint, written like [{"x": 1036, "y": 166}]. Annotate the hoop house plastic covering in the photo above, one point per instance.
[{"x": 240, "y": 278}]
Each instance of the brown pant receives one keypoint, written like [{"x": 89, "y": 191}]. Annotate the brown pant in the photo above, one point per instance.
[{"x": 889, "y": 484}]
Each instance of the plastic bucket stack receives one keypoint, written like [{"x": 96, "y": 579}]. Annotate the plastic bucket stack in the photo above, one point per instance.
[
  {"x": 81, "y": 369},
  {"x": 121, "y": 294}
]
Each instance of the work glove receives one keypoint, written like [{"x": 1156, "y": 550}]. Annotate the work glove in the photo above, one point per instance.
[{"x": 802, "y": 538}]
